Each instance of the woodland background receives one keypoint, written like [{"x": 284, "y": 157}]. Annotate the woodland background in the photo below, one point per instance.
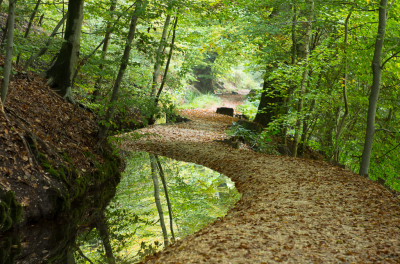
[{"x": 322, "y": 75}]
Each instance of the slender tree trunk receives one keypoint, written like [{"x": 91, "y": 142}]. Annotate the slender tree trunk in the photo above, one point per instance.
[
  {"x": 294, "y": 55},
  {"x": 99, "y": 80},
  {"x": 294, "y": 39},
  {"x": 43, "y": 50},
  {"x": 344, "y": 86},
  {"x": 30, "y": 24},
  {"x": 63, "y": 25},
  {"x": 157, "y": 64},
  {"x": 104, "y": 127},
  {"x": 41, "y": 20},
  {"x": 9, "y": 53},
  {"x": 376, "y": 83},
  {"x": 305, "y": 76},
  {"x": 168, "y": 62},
  {"x": 103, "y": 230},
  {"x": 306, "y": 128},
  {"x": 87, "y": 57},
  {"x": 162, "y": 176},
  {"x": 153, "y": 164},
  {"x": 61, "y": 73}
]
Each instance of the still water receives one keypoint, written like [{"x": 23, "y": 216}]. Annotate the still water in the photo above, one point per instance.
[{"x": 120, "y": 219}]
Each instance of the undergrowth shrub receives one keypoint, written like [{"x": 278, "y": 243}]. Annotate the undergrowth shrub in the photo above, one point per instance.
[{"x": 261, "y": 143}]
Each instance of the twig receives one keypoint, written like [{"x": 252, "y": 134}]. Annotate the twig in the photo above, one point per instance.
[
  {"x": 82, "y": 255},
  {"x": 388, "y": 152},
  {"x": 386, "y": 130}
]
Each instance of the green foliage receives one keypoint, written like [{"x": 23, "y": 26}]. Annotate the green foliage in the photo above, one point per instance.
[
  {"x": 132, "y": 215},
  {"x": 196, "y": 101},
  {"x": 259, "y": 142},
  {"x": 248, "y": 108}
]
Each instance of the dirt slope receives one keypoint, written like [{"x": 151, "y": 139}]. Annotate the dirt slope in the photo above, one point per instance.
[{"x": 291, "y": 210}]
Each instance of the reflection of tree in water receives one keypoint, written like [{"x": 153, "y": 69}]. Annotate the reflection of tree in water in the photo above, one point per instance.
[
  {"x": 133, "y": 217},
  {"x": 55, "y": 241}
]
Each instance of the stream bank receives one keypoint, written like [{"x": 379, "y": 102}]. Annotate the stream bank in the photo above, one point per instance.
[{"x": 52, "y": 167}]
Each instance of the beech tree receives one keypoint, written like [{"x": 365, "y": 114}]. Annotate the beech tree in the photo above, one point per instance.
[
  {"x": 105, "y": 125},
  {"x": 61, "y": 74},
  {"x": 376, "y": 85}
]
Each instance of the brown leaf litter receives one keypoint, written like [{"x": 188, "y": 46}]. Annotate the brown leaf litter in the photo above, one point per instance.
[
  {"x": 33, "y": 110},
  {"x": 291, "y": 210}
]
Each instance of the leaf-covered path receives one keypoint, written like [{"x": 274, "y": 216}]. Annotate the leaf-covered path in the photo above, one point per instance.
[{"x": 291, "y": 210}]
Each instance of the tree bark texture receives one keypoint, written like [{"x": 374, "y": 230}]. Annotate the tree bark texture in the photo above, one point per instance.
[
  {"x": 307, "y": 40},
  {"x": 159, "y": 56},
  {"x": 9, "y": 53},
  {"x": 162, "y": 176},
  {"x": 376, "y": 83},
  {"x": 104, "y": 127},
  {"x": 153, "y": 164},
  {"x": 61, "y": 73},
  {"x": 106, "y": 43}
]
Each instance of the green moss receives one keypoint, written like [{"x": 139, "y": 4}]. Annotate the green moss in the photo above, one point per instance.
[
  {"x": 53, "y": 172},
  {"x": 10, "y": 210},
  {"x": 59, "y": 201},
  {"x": 7, "y": 223},
  {"x": 16, "y": 211},
  {"x": 66, "y": 158},
  {"x": 8, "y": 197},
  {"x": 9, "y": 249}
]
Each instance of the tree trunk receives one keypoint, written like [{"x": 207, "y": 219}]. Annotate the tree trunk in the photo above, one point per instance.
[
  {"x": 157, "y": 65},
  {"x": 43, "y": 50},
  {"x": 153, "y": 164},
  {"x": 162, "y": 176},
  {"x": 103, "y": 230},
  {"x": 307, "y": 40},
  {"x": 41, "y": 20},
  {"x": 106, "y": 43},
  {"x": 171, "y": 49},
  {"x": 61, "y": 73},
  {"x": 9, "y": 53},
  {"x": 270, "y": 102},
  {"x": 30, "y": 24},
  {"x": 376, "y": 83},
  {"x": 294, "y": 55},
  {"x": 344, "y": 85},
  {"x": 306, "y": 127},
  {"x": 104, "y": 126}
]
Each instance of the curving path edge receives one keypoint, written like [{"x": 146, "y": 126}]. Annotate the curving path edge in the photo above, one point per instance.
[{"x": 291, "y": 210}]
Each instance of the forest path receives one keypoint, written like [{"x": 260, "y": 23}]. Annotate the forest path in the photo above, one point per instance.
[{"x": 291, "y": 210}]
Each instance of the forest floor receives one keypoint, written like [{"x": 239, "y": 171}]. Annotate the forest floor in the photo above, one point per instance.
[{"x": 292, "y": 210}]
